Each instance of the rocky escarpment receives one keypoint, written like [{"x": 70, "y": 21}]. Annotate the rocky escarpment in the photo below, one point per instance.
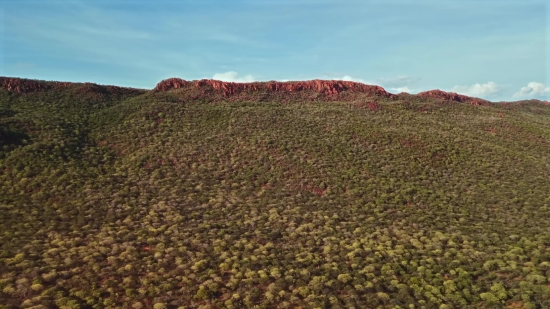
[
  {"x": 451, "y": 96},
  {"x": 219, "y": 91},
  {"x": 303, "y": 90},
  {"x": 24, "y": 86},
  {"x": 229, "y": 89}
]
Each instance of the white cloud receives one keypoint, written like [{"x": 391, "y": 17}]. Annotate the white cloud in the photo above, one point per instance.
[
  {"x": 232, "y": 76},
  {"x": 397, "y": 82},
  {"x": 401, "y": 89},
  {"x": 353, "y": 79},
  {"x": 346, "y": 78},
  {"x": 533, "y": 89},
  {"x": 478, "y": 90},
  {"x": 393, "y": 85}
]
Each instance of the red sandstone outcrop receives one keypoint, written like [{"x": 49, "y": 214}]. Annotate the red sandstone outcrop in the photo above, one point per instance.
[
  {"x": 451, "y": 96},
  {"x": 171, "y": 83},
  {"x": 304, "y": 90},
  {"x": 327, "y": 87},
  {"x": 22, "y": 86},
  {"x": 330, "y": 88}
]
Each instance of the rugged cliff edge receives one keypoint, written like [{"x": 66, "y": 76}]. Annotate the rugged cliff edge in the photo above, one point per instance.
[
  {"x": 326, "y": 87},
  {"x": 215, "y": 90},
  {"x": 24, "y": 86}
]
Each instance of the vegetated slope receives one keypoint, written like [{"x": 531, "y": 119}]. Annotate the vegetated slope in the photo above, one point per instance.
[{"x": 184, "y": 198}]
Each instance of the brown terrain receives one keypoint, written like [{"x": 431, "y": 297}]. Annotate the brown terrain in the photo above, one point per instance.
[
  {"x": 215, "y": 90},
  {"x": 23, "y": 86}
]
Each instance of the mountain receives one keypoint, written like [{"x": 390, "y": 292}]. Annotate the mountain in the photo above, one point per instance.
[{"x": 311, "y": 194}]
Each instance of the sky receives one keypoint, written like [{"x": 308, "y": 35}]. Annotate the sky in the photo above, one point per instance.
[{"x": 492, "y": 49}]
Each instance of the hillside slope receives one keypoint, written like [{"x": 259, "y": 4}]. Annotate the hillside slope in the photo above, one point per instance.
[{"x": 319, "y": 194}]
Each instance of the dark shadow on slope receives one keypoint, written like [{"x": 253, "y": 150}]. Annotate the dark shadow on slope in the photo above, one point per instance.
[{"x": 10, "y": 136}]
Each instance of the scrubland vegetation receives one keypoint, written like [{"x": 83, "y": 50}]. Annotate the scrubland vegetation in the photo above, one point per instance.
[{"x": 144, "y": 201}]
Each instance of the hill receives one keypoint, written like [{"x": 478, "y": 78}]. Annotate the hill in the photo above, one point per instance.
[{"x": 319, "y": 194}]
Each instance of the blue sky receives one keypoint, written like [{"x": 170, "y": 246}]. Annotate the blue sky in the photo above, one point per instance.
[{"x": 494, "y": 49}]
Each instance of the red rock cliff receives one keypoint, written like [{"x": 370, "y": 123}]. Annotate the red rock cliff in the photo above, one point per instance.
[
  {"x": 171, "y": 83},
  {"x": 327, "y": 87},
  {"x": 22, "y": 86},
  {"x": 451, "y": 96}
]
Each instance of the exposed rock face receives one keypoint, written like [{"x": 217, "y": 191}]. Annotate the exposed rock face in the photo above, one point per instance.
[
  {"x": 22, "y": 86},
  {"x": 171, "y": 83},
  {"x": 451, "y": 96},
  {"x": 326, "y": 87},
  {"x": 219, "y": 91}
]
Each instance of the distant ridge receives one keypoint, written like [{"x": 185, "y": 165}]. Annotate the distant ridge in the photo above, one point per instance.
[
  {"x": 319, "y": 90},
  {"x": 23, "y": 85},
  {"x": 326, "y": 87}
]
